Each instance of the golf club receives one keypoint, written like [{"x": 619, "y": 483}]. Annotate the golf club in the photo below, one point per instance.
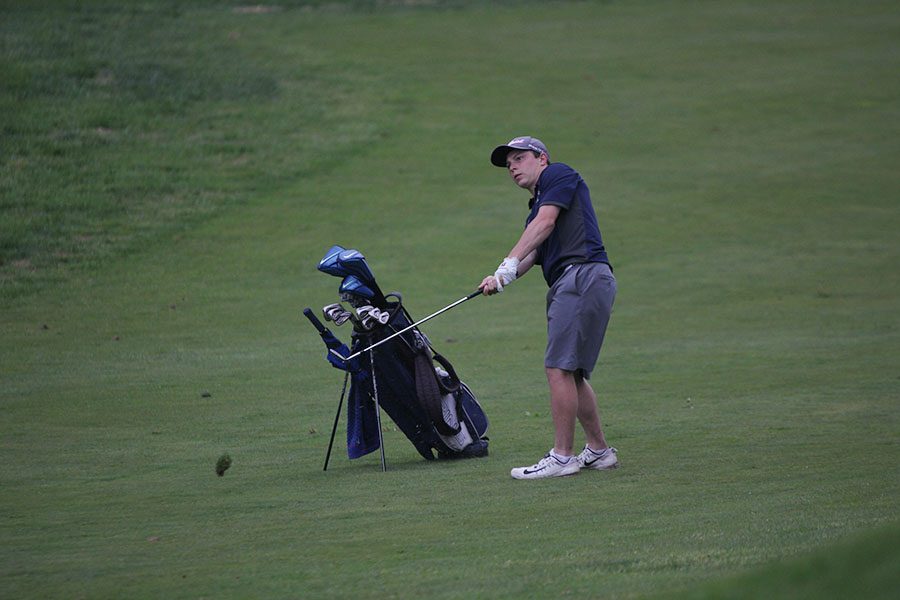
[
  {"x": 336, "y": 313},
  {"x": 405, "y": 329},
  {"x": 370, "y": 316}
]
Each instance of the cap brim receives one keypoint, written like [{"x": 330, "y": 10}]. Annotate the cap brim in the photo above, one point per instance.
[{"x": 498, "y": 156}]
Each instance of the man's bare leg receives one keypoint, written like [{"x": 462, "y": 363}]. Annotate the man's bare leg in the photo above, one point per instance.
[
  {"x": 589, "y": 414},
  {"x": 564, "y": 403}
]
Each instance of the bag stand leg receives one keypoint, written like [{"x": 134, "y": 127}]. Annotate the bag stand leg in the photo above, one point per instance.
[
  {"x": 337, "y": 417},
  {"x": 377, "y": 410}
]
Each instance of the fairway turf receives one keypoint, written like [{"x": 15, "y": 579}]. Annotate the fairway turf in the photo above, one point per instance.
[{"x": 170, "y": 175}]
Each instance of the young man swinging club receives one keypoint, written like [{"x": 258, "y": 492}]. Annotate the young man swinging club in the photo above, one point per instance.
[{"x": 561, "y": 234}]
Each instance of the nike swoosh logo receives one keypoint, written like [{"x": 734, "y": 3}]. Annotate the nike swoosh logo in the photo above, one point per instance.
[
  {"x": 527, "y": 472},
  {"x": 590, "y": 462}
]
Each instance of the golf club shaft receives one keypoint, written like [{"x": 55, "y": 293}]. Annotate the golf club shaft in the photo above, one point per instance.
[{"x": 405, "y": 329}]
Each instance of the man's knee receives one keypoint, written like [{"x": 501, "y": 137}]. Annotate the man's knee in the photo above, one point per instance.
[{"x": 558, "y": 375}]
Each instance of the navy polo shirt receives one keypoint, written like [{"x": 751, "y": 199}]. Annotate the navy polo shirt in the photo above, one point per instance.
[{"x": 576, "y": 237}]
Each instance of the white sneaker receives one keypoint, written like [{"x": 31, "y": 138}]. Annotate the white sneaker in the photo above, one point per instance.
[
  {"x": 607, "y": 459},
  {"x": 549, "y": 466}
]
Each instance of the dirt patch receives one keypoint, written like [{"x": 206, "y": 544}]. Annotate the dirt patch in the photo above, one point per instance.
[{"x": 23, "y": 264}]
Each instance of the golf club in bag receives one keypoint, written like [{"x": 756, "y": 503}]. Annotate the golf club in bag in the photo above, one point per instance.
[{"x": 393, "y": 366}]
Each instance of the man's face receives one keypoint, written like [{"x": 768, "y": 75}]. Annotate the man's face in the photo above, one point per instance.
[{"x": 525, "y": 168}]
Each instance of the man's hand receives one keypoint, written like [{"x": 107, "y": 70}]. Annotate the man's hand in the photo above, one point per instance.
[
  {"x": 488, "y": 286},
  {"x": 505, "y": 274}
]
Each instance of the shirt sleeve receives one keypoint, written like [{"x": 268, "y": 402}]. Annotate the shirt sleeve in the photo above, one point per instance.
[{"x": 559, "y": 187}]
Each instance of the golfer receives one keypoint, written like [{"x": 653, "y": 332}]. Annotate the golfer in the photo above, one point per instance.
[{"x": 561, "y": 234}]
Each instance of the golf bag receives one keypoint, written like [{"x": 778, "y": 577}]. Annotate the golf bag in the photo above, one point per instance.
[{"x": 415, "y": 385}]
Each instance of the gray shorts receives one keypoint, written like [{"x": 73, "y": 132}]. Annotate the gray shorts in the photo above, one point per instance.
[{"x": 578, "y": 309}]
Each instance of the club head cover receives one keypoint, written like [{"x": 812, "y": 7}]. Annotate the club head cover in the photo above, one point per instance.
[
  {"x": 330, "y": 262},
  {"x": 354, "y": 263},
  {"x": 354, "y": 286}
]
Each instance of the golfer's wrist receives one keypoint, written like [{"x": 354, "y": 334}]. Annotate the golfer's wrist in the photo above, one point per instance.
[{"x": 510, "y": 264}]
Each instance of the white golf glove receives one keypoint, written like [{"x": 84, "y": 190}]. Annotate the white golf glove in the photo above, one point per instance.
[{"x": 506, "y": 272}]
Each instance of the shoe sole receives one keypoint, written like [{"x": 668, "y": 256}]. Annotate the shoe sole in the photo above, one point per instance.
[
  {"x": 548, "y": 476},
  {"x": 609, "y": 468}
]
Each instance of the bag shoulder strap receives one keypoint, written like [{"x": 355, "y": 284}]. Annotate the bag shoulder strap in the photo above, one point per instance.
[
  {"x": 453, "y": 384},
  {"x": 428, "y": 391}
]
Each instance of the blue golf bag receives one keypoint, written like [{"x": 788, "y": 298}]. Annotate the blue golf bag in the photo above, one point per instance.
[{"x": 415, "y": 385}]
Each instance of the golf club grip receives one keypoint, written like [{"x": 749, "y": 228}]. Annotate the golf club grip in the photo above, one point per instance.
[
  {"x": 473, "y": 294},
  {"x": 314, "y": 320}
]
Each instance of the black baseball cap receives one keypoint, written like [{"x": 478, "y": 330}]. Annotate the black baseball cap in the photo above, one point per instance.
[{"x": 525, "y": 142}]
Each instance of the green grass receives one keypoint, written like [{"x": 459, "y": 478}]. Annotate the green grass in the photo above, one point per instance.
[
  {"x": 170, "y": 173},
  {"x": 123, "y": 125},
  {"x": 866, "y": 565}
]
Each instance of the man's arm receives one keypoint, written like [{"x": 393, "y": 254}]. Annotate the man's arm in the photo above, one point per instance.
[
  {"x": 526, "y": 263},
  {"x": 537, "y": 231},
  {"x": 525, "y": 250}
]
